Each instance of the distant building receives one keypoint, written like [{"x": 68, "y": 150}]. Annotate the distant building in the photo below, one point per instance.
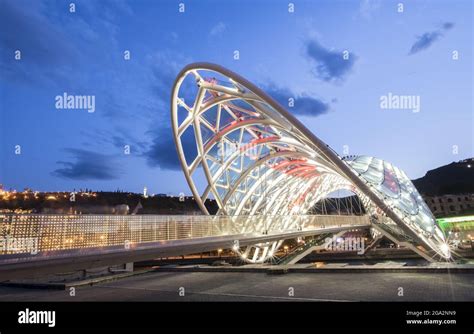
[{"x": 450, "y": 205}]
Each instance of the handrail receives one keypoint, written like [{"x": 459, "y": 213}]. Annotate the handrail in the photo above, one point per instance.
[{"x": 42, "y": 233}]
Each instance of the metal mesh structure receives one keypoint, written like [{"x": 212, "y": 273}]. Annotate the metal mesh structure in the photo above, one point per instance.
[
  {"x": 32, "y": 234},
  {"x": 257, "y": 159}
]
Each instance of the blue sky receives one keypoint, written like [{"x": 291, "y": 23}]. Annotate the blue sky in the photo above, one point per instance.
[{"x": 287, "y": 54}]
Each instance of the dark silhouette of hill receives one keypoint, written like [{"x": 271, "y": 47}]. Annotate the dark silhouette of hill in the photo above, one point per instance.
[
  {"x": 455, "y": 178},
  {"x": 102, "y": 203}
]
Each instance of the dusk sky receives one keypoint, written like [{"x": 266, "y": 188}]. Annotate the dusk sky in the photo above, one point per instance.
[{"x": 288, "y": 54}]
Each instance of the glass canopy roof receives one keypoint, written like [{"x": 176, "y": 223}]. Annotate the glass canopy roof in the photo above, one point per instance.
[{"x": 258, "y": 159}]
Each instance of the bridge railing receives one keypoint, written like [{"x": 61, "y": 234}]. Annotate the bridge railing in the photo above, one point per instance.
[{"x": 33, "y": 233}]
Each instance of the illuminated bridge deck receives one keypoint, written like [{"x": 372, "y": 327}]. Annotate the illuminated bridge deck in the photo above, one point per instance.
[{"x": 31, "y": 245}]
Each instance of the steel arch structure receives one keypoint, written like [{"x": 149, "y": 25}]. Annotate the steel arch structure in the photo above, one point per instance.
[{"x": 258, "y": 159}]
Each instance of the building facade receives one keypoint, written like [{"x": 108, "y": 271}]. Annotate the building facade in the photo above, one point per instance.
[{"x": 450, "y": 205}]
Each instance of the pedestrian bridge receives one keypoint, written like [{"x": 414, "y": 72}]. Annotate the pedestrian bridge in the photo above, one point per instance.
[{"x": 32, "y": 245}]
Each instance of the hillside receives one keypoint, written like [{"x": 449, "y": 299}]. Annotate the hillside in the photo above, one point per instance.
[{"x": 455, "y": 178}]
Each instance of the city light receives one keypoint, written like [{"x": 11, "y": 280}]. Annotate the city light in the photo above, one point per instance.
[{"x": 446, "y": 250}]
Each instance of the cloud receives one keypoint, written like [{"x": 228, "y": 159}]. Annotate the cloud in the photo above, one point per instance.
[
  {"x": 424, "y": 41},
  {"x": 448, "y": 25},
  {"x": 367, "y": 8},
  {"x": 302, "y": 105},
  {"x": 50, "y": 41},
  {"x": 165, "y": 66},
  {"x": 329, "y": 65},
  {"x": 218, "y": 29},
  {"x": 427, "y": 39},
  {"x": 157, "y": 146},
  {"x": 162, "y": 152},
  {"x": 127, "y": 140},
  {"x": 87, "y": 165},
  {"x": 26, "y": 29}
]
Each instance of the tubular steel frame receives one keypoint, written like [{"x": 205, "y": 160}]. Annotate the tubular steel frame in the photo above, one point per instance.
[{"x": 259, "y": 159}]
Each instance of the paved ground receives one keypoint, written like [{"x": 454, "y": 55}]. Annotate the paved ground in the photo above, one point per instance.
[{"x": 201, "y": 286}]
